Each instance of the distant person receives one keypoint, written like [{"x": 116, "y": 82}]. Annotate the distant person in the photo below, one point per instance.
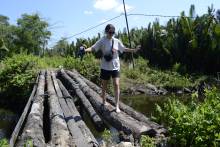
[
  {"x": 81, "y": 51},
  {"x": 110, "y": 64}
]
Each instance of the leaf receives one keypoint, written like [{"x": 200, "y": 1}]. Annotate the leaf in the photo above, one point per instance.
[{"x": 217, "y": 29}]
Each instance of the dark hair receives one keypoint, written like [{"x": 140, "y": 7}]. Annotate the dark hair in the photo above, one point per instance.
[{"x": 108, "y": 27}]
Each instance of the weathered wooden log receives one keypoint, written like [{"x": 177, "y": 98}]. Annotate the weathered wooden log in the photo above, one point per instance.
[
  {"x": 120, "y": 121},
  {"x": 78, "y": 138},
  {"x": 127, "y": 109},
  {"x": 77, "y": 121},
  {"x": 23, "y": 116},
  {"x": 59, "y": 132},
  {"x": 99, "y": 124},
  {"x": 33, "y": 129}
]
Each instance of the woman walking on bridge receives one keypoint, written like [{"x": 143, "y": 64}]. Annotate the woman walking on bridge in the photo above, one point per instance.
[{"x": 110, "y": 64}]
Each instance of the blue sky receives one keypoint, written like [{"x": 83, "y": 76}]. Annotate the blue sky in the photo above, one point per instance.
[{"x": 69, "y": 17}]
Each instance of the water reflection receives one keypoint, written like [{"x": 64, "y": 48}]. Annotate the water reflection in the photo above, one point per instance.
[{"x": 144, "y": 103}]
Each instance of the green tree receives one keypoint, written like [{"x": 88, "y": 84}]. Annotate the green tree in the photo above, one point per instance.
[
  {"x": 32, "y": 33},
  {"x": 4, "y": 24},
  {"x": 61, "y": 47}
]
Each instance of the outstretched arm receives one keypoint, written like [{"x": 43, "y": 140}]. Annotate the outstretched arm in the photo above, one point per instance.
[
  {"x": 88, "y": 49},
  {"x": 131, "y": 50}
]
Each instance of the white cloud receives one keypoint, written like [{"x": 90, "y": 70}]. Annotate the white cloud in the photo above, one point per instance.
[
  {"x": 114, "y": 5},
  {"x": 88, "y": 12}
]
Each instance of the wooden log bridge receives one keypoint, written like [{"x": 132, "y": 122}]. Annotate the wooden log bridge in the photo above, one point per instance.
[{"x": 51, "y": 116}]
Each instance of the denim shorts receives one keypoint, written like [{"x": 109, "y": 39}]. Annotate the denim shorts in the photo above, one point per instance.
[{"x": 107, "y": 74}]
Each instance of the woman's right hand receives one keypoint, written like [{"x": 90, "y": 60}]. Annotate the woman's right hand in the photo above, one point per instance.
[{"x": 137, "y": 48}]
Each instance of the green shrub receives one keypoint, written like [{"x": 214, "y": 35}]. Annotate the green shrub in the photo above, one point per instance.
[
  {"x": 17, "y": 75},
  {"x": 4, "y": 143},
  {"x": 88, "y": 67},
  {"x": 194, "y": 124},
  {"x": 132, "y": 74},
  {"x": 165, "y": 78},
  {"x": 107, "y": 137},
  {"x": 142, "y": 65},
  {"x": 51, "y": 62},
  {"x": 147, "y": 141},
  {"x": 177, "y": 67}
]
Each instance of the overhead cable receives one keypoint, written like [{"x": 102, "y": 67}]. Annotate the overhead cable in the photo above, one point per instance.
[
  {"x": 133, "y": 14},
  {"x": 93, "y": 27}
]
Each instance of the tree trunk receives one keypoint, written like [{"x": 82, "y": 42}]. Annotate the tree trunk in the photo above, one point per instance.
[
  {"x": 24, "y": 115},
  {"x": 99, "y": 124},
  {"x": 80, "y": 132},
  {"x": 33, "y": 129},
  {"x": 59, "y": 132}
]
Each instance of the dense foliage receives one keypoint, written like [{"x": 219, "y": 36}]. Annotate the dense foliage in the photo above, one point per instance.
[
  {"x": 30, "y": 35},
  {"x": 190, "y": 41},
  {"x": 17, "y": 75},
  {"x": 89, "y": 67},
  {"x": 195, "y": 123}
]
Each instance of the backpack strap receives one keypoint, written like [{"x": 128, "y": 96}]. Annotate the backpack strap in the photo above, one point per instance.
[{"x": 112, "y": 45}]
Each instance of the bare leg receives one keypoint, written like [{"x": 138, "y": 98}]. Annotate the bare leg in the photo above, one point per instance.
[
  {"x": 104, "y": 87},
  {"x": 117, "y": 93}
]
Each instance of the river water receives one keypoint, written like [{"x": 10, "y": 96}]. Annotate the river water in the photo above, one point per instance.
[
  {"x": 144, "y": 103},
  {"x": 7, "y": 123}
]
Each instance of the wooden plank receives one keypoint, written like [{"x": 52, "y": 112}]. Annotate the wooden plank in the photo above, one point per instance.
[
  {"x": 99, "y": 124},
  {"x": 33, "y": 129},
  {"x": 59, "y": 132},
  {"x": 78, "y": 128},
  {"x": 127, "y": 109},
  {"x": 23, "y": 116}
]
